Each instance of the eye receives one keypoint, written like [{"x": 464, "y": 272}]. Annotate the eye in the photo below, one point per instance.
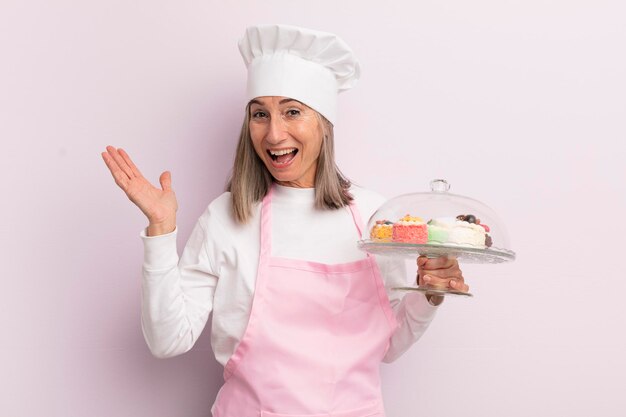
[
  {"x": 258, "y": 114},
  {"x": 293, "y": 112}
]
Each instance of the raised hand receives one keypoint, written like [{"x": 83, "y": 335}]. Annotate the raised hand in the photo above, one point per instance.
[{"x": 159, "y": 205}]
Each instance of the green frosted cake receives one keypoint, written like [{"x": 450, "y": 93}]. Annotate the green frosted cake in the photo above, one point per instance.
[{"x": 437, "y": 232}]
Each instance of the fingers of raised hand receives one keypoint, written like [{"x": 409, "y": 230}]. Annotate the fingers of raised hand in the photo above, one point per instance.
[
  {"x": 121, "y": 179},
  {"x": 119, "y": 161},
  {"x": 166, "y": 181},
  {"x": 121, "y": 166},
  {"x": 129, "y": 162}
]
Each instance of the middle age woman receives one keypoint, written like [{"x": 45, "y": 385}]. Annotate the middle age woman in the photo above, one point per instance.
[{"x": 301, "y": 317}]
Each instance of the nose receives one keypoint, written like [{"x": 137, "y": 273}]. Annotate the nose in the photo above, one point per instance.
[{"x": 277, "y": 130}]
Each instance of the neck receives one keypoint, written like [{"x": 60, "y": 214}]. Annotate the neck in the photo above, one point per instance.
[{"x": 296, "y": 184}]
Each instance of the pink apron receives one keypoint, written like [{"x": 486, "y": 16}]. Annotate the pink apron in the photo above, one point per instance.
[{"x": 314, "y": 341}]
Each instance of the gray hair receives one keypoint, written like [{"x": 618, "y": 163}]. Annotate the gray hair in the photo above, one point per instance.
[{"x": 250, "y": 180}]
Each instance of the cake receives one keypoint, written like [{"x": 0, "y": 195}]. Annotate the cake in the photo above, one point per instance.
[
  {"x": 439, "y": 229},
  {"x": 488, "y": 239},
  {"x": 382, "y": 231},
  {"x": 410, "y": 229},
  {"x": 465, "y": 233},
  {"x": 464, "y": 230}
]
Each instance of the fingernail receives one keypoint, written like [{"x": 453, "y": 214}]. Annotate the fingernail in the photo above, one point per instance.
[
  {"x": 452, "y": 283},
  {"x": 426, "y": 278}
]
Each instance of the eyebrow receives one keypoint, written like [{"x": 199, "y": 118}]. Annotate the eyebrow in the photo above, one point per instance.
[{"x": 283, "y": 101}]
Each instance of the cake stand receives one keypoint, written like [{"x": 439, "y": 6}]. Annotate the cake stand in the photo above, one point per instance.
[{"x": 439, "y": 204}]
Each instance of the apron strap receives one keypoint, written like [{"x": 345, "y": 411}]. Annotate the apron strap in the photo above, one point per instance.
[
  {"x": 356, "y": 216},
  {"x": 266, "y": 225}
]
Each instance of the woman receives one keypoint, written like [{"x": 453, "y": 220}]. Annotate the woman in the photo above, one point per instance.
[{"x": 301, "y": 317}]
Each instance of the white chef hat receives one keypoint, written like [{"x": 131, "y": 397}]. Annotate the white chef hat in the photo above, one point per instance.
[{"x": 304, "y": 64}]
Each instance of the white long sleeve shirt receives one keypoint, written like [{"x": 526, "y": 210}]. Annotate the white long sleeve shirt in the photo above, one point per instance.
[{"x": 217, "y": 271}]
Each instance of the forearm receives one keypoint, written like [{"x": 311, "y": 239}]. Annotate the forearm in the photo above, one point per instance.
[
  {"x": 177, "y": 294},
  {"x": 166, "y": 320},
  {"x": 413, "y": 314}
]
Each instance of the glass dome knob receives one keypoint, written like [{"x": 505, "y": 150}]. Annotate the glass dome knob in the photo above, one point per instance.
[{"x": 439, "y": 186}]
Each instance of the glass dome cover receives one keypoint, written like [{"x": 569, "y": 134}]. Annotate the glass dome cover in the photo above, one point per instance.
[{"x": 437, "y": 223}]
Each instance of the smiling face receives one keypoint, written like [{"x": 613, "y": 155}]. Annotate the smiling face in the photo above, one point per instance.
[{"x": 287, "y": 136}]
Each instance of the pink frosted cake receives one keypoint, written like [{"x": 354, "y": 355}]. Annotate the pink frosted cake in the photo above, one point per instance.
[{"x": 410, "y": 229}]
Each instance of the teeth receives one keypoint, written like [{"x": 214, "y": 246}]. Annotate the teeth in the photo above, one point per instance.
[{"x": 282, "y": 152}]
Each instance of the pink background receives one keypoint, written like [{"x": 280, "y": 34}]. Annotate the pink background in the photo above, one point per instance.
[{"x": 519, "y": 104}]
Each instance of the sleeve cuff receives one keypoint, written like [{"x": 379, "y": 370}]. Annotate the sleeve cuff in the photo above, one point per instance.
[
  {"x": 160, "y": 251},
  {"x": 417, "y": 306}
]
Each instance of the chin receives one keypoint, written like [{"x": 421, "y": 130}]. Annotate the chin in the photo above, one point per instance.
[
  {"x": 284, "y": 178},
  {"x": 282, "y": 175}
]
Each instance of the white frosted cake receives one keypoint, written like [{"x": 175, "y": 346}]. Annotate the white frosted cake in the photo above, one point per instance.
[{"x": 462, "y": 231}]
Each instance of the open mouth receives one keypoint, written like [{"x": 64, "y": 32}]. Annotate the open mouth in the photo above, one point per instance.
[{"x": 282, "y": 156}]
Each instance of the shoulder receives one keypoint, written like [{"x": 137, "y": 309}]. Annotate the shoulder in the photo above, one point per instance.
[
  {"x": 219, "y": 214},
  {"x": 368, "y": 201},
  {"x": 219, "y": 207}
]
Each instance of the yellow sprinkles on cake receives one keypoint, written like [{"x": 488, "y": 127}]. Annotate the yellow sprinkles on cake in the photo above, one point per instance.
[
  {"x": 382, "y": 231},
  {"x": 412, "y": 219}
]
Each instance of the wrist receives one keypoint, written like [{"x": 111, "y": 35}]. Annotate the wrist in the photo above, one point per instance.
[
  {"x": 434, "y": 300},
  {"x": 161, "y": 228}
]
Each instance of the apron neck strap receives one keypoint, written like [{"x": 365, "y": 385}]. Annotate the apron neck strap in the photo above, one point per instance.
[
  {"x": 266, "y": 224},
  {"x": 356, "y": 216}
]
